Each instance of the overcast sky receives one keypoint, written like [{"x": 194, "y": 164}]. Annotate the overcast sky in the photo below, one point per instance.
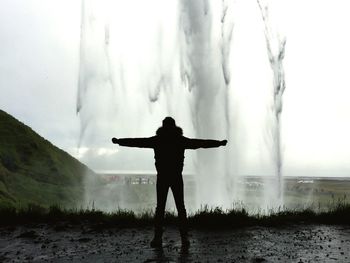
[{"x": 39, "y": 67}]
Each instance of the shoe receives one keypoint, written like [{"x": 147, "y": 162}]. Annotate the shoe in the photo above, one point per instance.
[
  {"x": 185, "y": 242},
  {"x": 156, "y": 242}
]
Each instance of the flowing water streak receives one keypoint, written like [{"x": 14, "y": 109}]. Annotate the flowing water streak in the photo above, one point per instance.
[
  {"x": 231, "y": 176},
  {"x": 275, "y": 44},
  {"x": 208, "y": 30}
]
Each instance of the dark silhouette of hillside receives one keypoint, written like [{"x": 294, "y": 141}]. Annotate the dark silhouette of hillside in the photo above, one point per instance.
[{"x": 33, "y": 170}]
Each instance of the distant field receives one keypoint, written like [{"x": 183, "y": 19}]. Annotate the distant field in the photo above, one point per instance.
[
  {"x": 137, "y": 192},
  {"x": 321, "y": 192}
]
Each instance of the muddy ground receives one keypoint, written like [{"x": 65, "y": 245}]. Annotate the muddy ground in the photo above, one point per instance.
[{"x": 68, "y": 243}]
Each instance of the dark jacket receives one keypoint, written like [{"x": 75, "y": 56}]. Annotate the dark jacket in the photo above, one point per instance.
[{"x": 169, "y": 147}]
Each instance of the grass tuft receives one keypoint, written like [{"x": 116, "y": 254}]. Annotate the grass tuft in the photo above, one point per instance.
[{"x": 205, "y": 218}]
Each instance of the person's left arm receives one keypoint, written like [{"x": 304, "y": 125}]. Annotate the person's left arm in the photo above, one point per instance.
[{"x": 200, "y": 143}]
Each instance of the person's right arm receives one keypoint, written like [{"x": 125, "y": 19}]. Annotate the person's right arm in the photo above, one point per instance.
[
  {"x": 135, "y": 142},
  {"x": 200, "y": 143}
]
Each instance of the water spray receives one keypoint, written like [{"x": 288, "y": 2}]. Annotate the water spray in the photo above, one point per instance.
[{"x": 275, "y": 44}]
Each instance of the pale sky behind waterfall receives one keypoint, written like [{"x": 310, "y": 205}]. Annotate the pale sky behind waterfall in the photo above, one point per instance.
[{"x": 39, "y": 65}]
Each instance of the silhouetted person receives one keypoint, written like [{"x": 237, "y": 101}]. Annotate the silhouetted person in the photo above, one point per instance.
[{"x": 169, "y": 147}]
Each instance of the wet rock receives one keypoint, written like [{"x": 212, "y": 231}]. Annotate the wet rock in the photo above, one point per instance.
[
  {"x": 3, "y": 258},
  {"x": 60, "y": 228},
  {"x": 258, "y": 260},
  {"x": 28, "y": 234},
  {"x": 84, "y": 239}
]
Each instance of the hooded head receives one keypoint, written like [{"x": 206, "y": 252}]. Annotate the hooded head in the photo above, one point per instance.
[
  {"x": 169, "y": 128},
  {"x": 169, "y": 122}
]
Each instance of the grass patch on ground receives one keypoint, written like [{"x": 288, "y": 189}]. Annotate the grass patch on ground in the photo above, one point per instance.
[{"x": 209, "y": 218}]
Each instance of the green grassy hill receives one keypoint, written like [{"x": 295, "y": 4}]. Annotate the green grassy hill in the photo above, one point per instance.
[{"x": 32, "y": 170}]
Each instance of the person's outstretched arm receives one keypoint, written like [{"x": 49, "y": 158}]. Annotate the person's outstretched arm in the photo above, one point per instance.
[
  {"x": 135, "y": 142},
  {"x": 199, "y": 143}
]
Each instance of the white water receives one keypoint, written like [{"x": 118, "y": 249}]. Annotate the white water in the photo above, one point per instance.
[
  {"x": 275, "y": 43},
  {"x": 196, "y": 61}
]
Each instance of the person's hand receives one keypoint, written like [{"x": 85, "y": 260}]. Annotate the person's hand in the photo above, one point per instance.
[
  {"x": 114, "y": 140},
  {"x": 224, "y": 142}
]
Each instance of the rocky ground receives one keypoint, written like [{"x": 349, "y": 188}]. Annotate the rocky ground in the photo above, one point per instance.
[{"x": 68, "y": 243}]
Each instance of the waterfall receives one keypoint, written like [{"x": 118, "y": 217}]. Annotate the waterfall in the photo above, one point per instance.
[{"x": 143, "y": 60}]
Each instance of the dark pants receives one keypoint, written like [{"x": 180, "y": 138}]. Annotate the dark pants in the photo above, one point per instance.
[{"x": 176, "y": 184}]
